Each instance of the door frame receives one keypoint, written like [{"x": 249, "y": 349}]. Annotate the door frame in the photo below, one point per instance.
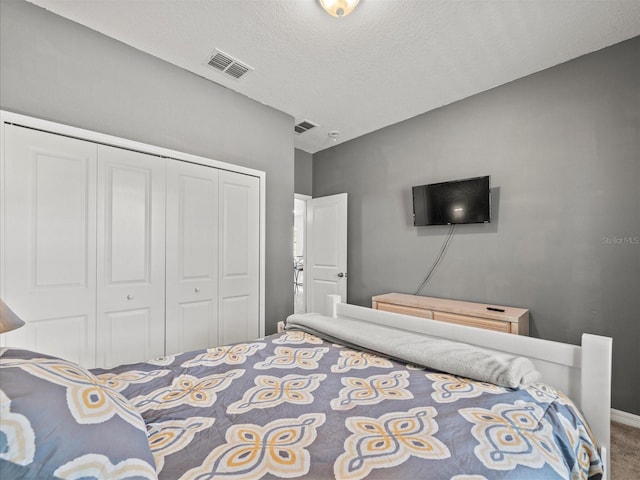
[
  {"x": 7, "y": 117},
  {"x": 304, "y": 198}
]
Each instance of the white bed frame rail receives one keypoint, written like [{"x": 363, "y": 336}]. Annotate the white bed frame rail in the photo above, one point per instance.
[{"x": 581, "y": 372}]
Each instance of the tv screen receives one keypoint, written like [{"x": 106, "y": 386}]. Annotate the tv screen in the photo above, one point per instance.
[{"x": 446, "y": 203}]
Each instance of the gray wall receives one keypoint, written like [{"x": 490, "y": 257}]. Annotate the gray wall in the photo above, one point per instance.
[
  {"x": 303, "y": 172},
  {"x": 58, "y": 70},
  {"x": 563, "y": 151}
]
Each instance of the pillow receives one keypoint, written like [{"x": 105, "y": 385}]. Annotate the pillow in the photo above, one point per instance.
[{"x": 58, "y": 420}]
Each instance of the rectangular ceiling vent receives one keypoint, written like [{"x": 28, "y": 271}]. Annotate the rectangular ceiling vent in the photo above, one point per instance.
[
  {"x": 227, "y": 64},
  {"x": 303, "y": 126}
]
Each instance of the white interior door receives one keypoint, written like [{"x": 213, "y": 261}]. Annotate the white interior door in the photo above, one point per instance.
[
  {"x": 131, "y": 256},
  {"x": 192, "y": 257},
  {"x": 239, "y": 266},
  {"x": 49, "y": 242},
  {"x": 326, "y": 253}
]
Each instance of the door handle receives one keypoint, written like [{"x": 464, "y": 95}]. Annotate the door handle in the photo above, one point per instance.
[{"x": 342, "y": 274}]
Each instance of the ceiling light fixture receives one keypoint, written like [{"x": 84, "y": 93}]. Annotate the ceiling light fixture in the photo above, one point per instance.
[{"x": 339, "y": 8}]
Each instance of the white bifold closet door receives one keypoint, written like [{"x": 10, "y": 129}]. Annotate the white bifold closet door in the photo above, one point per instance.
[
  {"x": 115, "y": 256},
  {"x": 49, "y": 250},
  {"x": 239, "y": 266},
  {"x": 192, "y": 257},
  {"x": 131, "y": 256}
]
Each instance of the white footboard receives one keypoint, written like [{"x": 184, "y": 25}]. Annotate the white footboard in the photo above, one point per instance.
[{"x": 581, "y": 372}]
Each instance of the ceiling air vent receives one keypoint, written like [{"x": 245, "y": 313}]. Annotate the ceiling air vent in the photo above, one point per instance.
[
  {"x": 303, "y": 126},
  {"x": 227, "y": 64}
]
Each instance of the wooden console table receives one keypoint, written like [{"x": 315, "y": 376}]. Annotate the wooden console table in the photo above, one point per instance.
[{"x": 490, "y": 317}]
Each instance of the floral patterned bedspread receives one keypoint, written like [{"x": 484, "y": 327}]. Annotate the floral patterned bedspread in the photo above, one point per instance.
[{"x": 292, "y": 405}]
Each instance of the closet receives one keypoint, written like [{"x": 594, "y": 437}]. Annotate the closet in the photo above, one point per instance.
[{"x": 114, "y": 255}]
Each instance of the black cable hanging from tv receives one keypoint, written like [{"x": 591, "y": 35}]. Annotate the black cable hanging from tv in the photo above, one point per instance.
[{"x": 443, "y": 249}]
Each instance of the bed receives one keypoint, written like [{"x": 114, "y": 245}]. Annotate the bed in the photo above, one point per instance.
[{"x": 307, "y": 403}]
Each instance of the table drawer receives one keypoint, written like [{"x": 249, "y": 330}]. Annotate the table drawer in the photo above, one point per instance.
[
  {"x": 467, "y": 320},
  {"x": 416, "y": 312}
]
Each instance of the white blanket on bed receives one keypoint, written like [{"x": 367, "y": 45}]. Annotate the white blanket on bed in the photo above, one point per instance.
[{"x": 413, "y": 347}]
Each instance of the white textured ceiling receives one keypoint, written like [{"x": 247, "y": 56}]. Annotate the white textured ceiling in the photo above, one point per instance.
[{"x": 388, "y": 61}]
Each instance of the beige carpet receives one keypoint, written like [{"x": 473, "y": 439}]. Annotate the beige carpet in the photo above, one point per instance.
[{"x": 625, "y": 452}]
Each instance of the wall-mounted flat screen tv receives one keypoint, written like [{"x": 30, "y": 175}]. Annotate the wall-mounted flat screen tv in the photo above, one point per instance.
[{"x": 446, "y": 203}]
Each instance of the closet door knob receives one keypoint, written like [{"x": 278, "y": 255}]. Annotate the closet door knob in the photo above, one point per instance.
[
  {"x": 129, "y": 297},
  {"x": 197, "y": 290}
]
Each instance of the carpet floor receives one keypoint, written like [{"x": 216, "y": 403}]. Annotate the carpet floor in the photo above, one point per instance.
[{"x": 625, "y": 452}]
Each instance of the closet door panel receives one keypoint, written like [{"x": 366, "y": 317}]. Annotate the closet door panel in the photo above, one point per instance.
[
  {"x": 131, "y": 249},
  {"x": 49, "y": 241},
  {"x": 239, "y": 257},
  {"x": 125, "y": 336},
  {"x": 193, "y": 327},
  {"x": 192, "y": 257},
  {"x": 237, "y": 319},
  {"x": 128, "y": 235}
]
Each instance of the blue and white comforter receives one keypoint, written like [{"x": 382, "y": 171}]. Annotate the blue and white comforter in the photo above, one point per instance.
[{"x": 293, "y": 405}]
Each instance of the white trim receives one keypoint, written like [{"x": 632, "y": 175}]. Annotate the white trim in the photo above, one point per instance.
[
  {"x": 2, "y": 215},
  {"x": 263, "y": 252},
  {"x": 625, "y": 418},
  {"x": 7, "y": 117},
  {"x": 96, "y": 137}
]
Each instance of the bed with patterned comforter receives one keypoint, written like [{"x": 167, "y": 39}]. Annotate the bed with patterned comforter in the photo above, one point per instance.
[{"x": 293, "y": 405}]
